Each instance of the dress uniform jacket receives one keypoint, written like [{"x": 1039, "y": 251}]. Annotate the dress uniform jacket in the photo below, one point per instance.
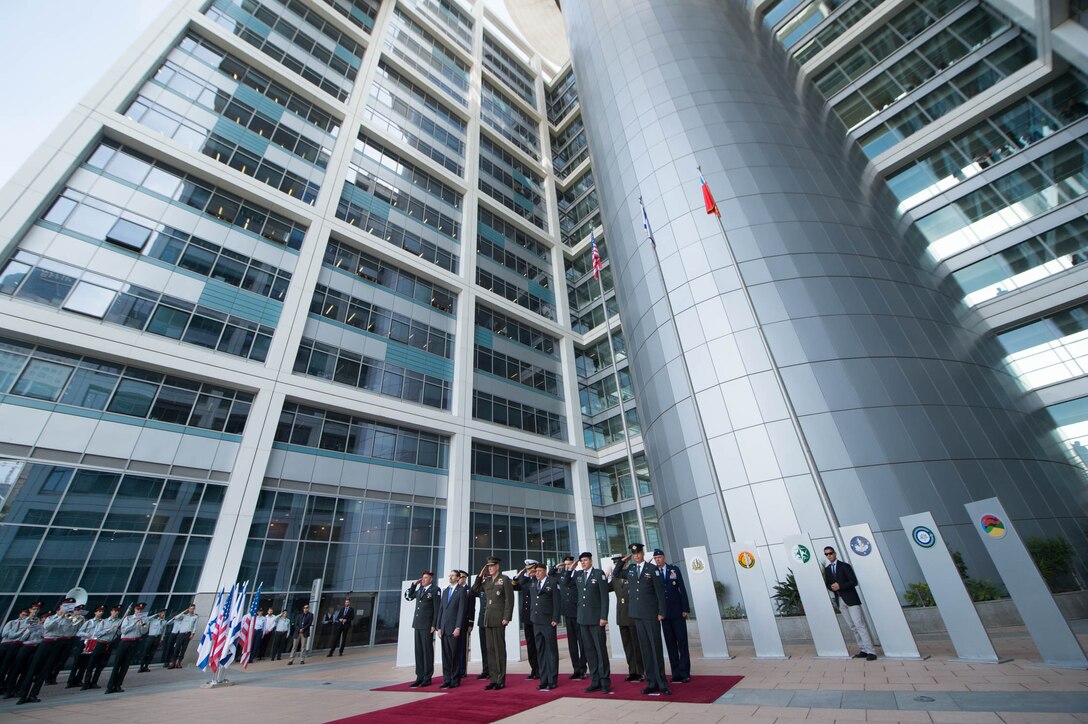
[
  {"x": 647, "y": 602},
  {"x": 546, "y": 609},
  {"x": 498, "y": 607},
  {"x": 674, "y": 627},
  {"x": 676, "y": 592},
  {"x": 426, "y": 614},
  {"x": 521, "y": 585},
  {"x": 592, "y": 592},
  {"x": 631, "y": 651}
]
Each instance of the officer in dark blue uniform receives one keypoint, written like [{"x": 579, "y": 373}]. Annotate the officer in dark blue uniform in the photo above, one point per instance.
[
  {"x": 647, "y": 607},
  {"x": 675, "y": 624},
  {"x": 591, "y": 585},
  {"x": 570, "y": 619}
]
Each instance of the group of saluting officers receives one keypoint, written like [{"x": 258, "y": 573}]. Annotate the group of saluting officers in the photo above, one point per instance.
[
  {"x": 651, "y": 600},
  {"x": 37, "y": 645}
]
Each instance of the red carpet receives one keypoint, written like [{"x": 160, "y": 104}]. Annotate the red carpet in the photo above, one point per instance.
[{"x": 470, "y": 704}]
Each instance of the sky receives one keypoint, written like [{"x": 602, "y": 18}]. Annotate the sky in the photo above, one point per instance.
[{"x": 52, "y": 52}]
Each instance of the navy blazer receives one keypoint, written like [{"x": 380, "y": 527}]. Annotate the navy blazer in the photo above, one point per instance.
[
  {"x": 676, "y": 593},
  {"x": 848, "y": 582}
]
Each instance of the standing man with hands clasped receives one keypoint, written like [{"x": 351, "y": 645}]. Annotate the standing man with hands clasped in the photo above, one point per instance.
[
  {"x": 450, "y": 628},
  {"x": 499, "y": 597},
  {"x": 341, "y": 625},
  {"x": 424, "y": 623},
  {"x": 592, "y": 586},
  {"x": 839, "y": 577},
  {"x": 675, "y": 623}
]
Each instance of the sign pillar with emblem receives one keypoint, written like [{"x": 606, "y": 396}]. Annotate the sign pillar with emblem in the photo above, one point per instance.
[
  {"x": 513, "y": 630},
  {"x": 406, "y": 637},
  {"x": 1045, "y": 622},
  {"x": 822, "y": 622},
  {"x": 757, "y": 604},
  {"x": 886, "y": 612},
  {"x": 964, "y": 626},
  {"x": 704, "y": 603}
]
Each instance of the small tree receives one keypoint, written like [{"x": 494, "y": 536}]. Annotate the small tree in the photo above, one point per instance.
[
  {"x": 1054, "y": 557},
  {"x": 787, "y": 597}
]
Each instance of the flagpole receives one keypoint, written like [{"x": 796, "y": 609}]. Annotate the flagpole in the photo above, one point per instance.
[
  {"x": 720, "y": 497},
  {"x": 623, "y": 412},
  {"x": 810, "y": 460}
]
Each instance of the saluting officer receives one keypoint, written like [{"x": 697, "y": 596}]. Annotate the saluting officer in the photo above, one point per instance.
[
  {"x": 675, "y": 624},
  {"x": 155, "y": 628},
  {"x": 425, "y": 593},
  {"x": 628, "y": 634},
  {"x": 133, "y": 628},
  {"x": 647, "y": 607},
  {"x": 522, "y": 581},
  {"x": 499, "y": 596},
  {"x": 184, "y": 630},
  {"x": 546, "y": 608},
  {"x": 570, "y": 619},
  {"x": 592, "y": 588}
]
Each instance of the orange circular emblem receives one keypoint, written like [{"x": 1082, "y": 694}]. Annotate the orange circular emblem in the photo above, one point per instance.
[{"x": 746, "y": 559}]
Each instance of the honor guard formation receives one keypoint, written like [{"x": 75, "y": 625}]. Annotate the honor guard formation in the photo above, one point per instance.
[
  {"x": 651, "y": 600},
  {"x": 38, "y": 645}
]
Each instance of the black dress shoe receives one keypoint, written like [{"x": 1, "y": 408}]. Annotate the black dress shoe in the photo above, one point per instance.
[
  {"x": 532, "y": 676},
  {"x": 330, "y": 654},
  {"x": 498, "y": 687},
  {"x": 606, "y": 690},
  {"x": 490, "y": 687},
  {"x": 109, "y": 689},
  {"x": 444, "y": 686},
  {"x": 632, "y": 677},
  {"x": 590, "y": 689},
  {"x": 860, "y": 655},
  {"x": 870, "y": 657},
  {"x": 482, "y": 676},
  {"x": 426, "y": 683},
  {"x": 542, "y": 688},
  {"x": 34, "y": 700},
  {"x": 685, "y": 680},
  {"x": 650, "y": 690},
  {"x": 415, "y": 685},
  {"x": 20, "y": 702},
  {"x": 454, "y": 686}
]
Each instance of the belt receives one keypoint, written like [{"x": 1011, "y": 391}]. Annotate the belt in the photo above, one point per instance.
[
  {"x": 31, "y": 645},
  {"x": 124, "y": 639},
  {"x": 50, "y": 639}
]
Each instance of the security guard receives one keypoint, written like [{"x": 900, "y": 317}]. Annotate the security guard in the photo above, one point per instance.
[
  {"x": 546, "y": 608},
  {"x": 570, "y": 620},
  {"x": 647, "y": 608},
  {"x": 499, "y": 596},
  {"x": 623, "y": 619},
  {"x": 133, "y": 628},
  {"x": 675, "y": 624},
  {"x": 522, "y": 582},
  {"x": 425, "y": 593},
  {"x": 592, "y": 589}
]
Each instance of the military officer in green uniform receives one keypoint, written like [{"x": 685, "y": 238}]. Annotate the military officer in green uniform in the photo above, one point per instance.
[
  {"x": 628, "y": 634},
  {"x": 647, "y": 608},
  {"x": 425, "y": 620},
  {"x": 499, "y": 609}
]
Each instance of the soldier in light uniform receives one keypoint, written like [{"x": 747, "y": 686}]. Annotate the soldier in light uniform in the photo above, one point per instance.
[
  {"x": 53, "y": 630},
  {"x": 106, "y": 631},
  {"x": 546, "y": 609},
  {"x": 155, "y": 628},
  {"x": 647, "y": 607},
  {"x": 69, "y": 646},
  {"x": 87, "y": 636},
  {"x": 499, "y": 601},
  {"x": 675, "y": 623},
  {"x": 30, "y": 636},
  {"x": 592, "y": 588},
  {"x": 628, "y": 634},
  {"x": 9, "y": 644},
  {"x": 279, "y": 634},
  {"x": 133, "y": 628},
  {"x": 425, "y": 620},
  {"x": 184, "y": 629}
]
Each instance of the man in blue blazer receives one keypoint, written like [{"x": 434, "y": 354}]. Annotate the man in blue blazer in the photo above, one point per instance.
[
  {"x": 451, "y": 621},
  {"x": 675, "y": 623}
]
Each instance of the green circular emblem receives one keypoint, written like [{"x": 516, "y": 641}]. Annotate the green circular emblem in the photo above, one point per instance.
[{"x": 802, "y": 553}]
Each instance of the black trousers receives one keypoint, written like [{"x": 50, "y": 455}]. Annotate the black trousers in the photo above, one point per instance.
[
  {"x": 150, "y": 644},
  {"x": 451, "y": 658},
  {"x": 631, "y": 650},
  {"x": 181, "y": 645},
  {"x": 496, "y": 654},
  {"x": 593, "y": 643},
  {"x": 649, "y": 641},
  {"x": 60, "y": 658},
  {"x": 530, "y": 648},
  {"x": 574, "y": 646},
  {"x": 8, "y": 653},
  {"x": 547, "y": 651},
  {"x": 339, "y": 638},
  {"x": 39, "y": 668},
  {"x": 168, "y": 648},
  {"x": 79, "y": 669},
  {"x": 424, "y": 655},
  {"x": 126, "y": 652},
  {"x": 483, "y": 651},
  {"x": 676, "y": 641},
  {"x": 20, "y": 667},
  {"x": 462, "y": 652},
  {"x": 274, "y": 646},
  {"x": 99, "y": 659}
]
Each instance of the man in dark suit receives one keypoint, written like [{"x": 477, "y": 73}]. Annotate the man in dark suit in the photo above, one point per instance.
[
  {"x": 592, "y": 587},
  {"x": 466, "y": 627},
  {"x": 647, "y": 608},
  {"x": 341, "y": 624},
  {"x": 450, "y": 628},
  {"x": 675, "y": 623},
  {"x": 628, "y": 633},
  {"x": 839, "y": 577},
  {"x": 300, "y": 637},
  {"x": 424, "y": 622},
  {"x": 570, "y": 620},
  {"x": 522, "y": 581},
  {"x": 545, "y": 609}
]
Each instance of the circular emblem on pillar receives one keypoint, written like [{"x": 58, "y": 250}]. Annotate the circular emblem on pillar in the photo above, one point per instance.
[
  {"x": 861, "y": 545},
  {"x": 746, "y": 559},
  {"x": 697, "y": 565},
  {"x": 802, "y": 553},
  {"x": 993, "y": 526},
  {"x": 923, "y": 536}
]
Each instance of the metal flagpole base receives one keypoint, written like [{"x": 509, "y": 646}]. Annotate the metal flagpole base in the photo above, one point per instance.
[{"x": 216, "y": 684}]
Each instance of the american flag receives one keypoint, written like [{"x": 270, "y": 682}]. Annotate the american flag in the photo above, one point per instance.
[
  {"x": 204, "y": 652},
  {"x": 597, "y": 263},
  {"x": 222, "y": 623},
  {"x": 248, "y": 627}
]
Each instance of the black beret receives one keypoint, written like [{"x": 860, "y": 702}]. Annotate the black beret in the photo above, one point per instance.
[
  {"x": 585, "y": 554},
  {"x": 636, "y": 548},
  {"x": 658, "y": 552}
]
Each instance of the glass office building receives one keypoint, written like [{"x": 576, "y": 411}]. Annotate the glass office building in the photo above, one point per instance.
[{"x": 303, "y": 293}]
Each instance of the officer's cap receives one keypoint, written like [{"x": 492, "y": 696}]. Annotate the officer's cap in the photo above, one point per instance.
[
  {"x": 69, "y": 600},
  {"x": 636, "y": 548},
  {"x": 658, "y": 552},
  {"x": 427, "y": 573},
  {"x": 100, "y": 609},
  {"x": 585, "y": 554},
  {"x": 493, "y": 561},
  {"x": 531, "y": 562},
  {"x": 617, "y": 557},
  {"x": 140, "y": 606}
]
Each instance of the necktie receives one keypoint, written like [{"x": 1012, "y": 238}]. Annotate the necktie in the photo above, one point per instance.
[{"x": 834, "y": 567}]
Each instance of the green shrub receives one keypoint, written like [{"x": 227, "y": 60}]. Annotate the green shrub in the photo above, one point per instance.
[
  {"x": 918, "y": 594},
  {"x": 983, "y": 589},
  {"x": 734, "y": 612},
  {"x": 957, "y": 559},
  {"x": 1054, "y": 557},
  {"x": 787, "y": 598}
]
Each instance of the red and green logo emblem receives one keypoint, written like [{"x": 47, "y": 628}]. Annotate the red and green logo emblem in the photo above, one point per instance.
[{"x": 993, "y": 526}]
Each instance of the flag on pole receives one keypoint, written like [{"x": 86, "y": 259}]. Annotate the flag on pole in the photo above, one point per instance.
[
  {"x": 646, "y": 224},
  {"x": 234, "y": 627},
  {"x": 598, "y": 265},
  {"x": 248, "y": 627},
  {"x": 204, "y": 650},
  {"x": 222, "y": 622},
  {"x": 708, "y": 198}
]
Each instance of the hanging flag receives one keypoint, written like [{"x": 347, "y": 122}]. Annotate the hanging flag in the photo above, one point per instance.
[
  {"x": 708, "y": 198},
  {"x": 204, "y": 650},
  {"x": 234, "y": 627},
  {"x": 646, "y": 224},
  {"x": 248, "y": 627},
  {"x": 598, "y": 265}
]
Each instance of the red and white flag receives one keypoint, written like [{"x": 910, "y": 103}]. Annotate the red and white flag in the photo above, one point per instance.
[{"x": 598, "y": 265}]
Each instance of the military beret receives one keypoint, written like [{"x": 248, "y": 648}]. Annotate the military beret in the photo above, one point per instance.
[
  {"x": 568, "y": 558},
  {"x": 100, "y": 608},
  {"x": 140, "y": 606},
  {"x": 658, "y": 552},
  {"x": 585, "y": 554},
  {"x": 493, "y": 561},
  {"x": 36, "y": 604},
  {"x": 636, "y": 547},
  {"x": 115, "y": 608}
]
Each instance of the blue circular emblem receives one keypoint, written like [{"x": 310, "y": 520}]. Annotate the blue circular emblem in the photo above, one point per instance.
[
  {"x": 923, "y": 536},
  {"x": 861, "y": 545}
]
